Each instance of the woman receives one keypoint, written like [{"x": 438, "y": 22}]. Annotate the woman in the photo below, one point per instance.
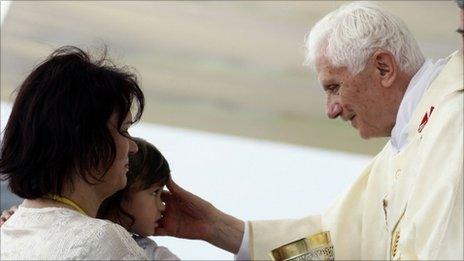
[{"x": 65, "y": 149}]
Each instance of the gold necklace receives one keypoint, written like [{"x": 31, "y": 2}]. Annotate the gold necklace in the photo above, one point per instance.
[{"x": 66, "y": 201}]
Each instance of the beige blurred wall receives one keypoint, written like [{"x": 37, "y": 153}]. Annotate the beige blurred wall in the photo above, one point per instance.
[{"x": 228, "y": 67}]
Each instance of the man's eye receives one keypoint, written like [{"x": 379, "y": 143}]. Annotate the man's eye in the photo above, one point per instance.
[
  {"x": 334, "y": 88},
  {"x": 156, "y": 192}
]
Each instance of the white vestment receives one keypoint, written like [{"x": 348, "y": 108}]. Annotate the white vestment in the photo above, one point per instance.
[
  {"x": 54, "y": 233},
  {"x": 406, "y": 205}
]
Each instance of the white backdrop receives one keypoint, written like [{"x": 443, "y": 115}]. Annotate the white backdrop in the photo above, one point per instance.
[{"x": 250, "y": 179}]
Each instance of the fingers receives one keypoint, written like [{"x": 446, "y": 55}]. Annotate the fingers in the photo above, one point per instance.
[
  {"x": 6, "y": 214},
  {"x": 171, "y": 185},
  {"x": 165, "y": 195},
  {"x": 174, "y": 188}
]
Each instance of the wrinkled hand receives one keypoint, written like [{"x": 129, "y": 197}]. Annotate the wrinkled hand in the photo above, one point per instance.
[
  {"x": 189, "y": 216},
  {"x": 186, "y": 215},
  {"x": 6, "y": 214}
]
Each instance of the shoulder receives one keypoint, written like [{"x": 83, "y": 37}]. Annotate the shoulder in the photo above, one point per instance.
[
  {"x": 441, "y": 105},
  {"x": 446, "y": 118},
  {"x": 57, "y": 233},
  {"x": 109, "y": 240},
  {"x": 144, "y": 242},
  {"x": 94, "y": 238}
]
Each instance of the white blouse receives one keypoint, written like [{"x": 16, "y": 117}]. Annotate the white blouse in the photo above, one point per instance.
[{"x": 61, "y": 233}]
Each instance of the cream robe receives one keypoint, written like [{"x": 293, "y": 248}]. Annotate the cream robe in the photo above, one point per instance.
[{"x": 415, "y": 196}]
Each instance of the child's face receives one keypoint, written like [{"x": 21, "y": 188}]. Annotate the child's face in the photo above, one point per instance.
[{"x": 146, "y": 207}]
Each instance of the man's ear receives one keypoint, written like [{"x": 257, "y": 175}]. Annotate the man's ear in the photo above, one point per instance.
[{"x": 386, "y": 68}]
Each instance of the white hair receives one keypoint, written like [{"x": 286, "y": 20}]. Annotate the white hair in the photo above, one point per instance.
[{"x": 348, "y": 36}]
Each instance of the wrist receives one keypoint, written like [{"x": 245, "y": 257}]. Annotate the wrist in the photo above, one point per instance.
[{"x": 227, "y": 232}]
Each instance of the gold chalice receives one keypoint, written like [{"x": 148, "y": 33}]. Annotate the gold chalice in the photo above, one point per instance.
[{"x": 316, "y": 247}]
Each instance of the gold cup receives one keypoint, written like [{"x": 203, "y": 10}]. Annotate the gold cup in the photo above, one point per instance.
[{"x": 316, "y": 247}]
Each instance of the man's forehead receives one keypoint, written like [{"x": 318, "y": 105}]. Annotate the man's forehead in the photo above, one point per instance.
[
  {"x": 326, "y": 71},
  {"x": 322, "y": 62}
]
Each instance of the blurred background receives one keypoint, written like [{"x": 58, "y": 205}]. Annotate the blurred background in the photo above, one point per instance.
[
  {"x": 225, "y": 73},
  {"x": 220, "y": 66}
]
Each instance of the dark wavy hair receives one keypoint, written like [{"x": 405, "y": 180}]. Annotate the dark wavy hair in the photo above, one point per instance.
[
  {"x": 146, "y": 168},
  {"x": 58, "y": 125}
]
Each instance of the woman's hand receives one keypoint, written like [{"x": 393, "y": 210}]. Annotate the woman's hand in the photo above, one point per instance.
[
  {"x": 189, "y": 216},
  {"x": 6, "y": 214}
]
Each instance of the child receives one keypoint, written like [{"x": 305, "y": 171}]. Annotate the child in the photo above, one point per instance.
[{"x": 138, "y": 207}]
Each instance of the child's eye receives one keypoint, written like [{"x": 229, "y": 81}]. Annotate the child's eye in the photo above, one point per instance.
[{"x": 156, "y": 192}]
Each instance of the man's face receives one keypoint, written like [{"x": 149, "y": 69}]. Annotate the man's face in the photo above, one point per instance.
[{"x": 355, "y": 98}]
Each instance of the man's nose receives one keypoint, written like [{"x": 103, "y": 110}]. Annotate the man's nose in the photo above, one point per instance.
[{"x": 333, "y": 108}]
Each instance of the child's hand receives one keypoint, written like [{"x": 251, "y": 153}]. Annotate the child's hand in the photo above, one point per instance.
[
  {"x": 6, "y": 214},
  {"x": 189, "y": 216}
]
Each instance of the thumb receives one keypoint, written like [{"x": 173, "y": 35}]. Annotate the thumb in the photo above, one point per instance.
[{"x": 174, "y": 188}]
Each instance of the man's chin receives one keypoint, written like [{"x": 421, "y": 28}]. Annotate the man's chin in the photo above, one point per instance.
[{"x": 364, "y": 134}]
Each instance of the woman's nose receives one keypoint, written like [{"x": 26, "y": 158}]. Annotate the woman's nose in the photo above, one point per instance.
[{"x": 133, "y": 148}]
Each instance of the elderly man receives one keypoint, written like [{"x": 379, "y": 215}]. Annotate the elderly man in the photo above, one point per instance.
[{"x": 408, "y": 203}]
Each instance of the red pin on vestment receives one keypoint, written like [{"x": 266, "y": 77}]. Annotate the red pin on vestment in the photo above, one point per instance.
[{"x": 425, "y": 119}]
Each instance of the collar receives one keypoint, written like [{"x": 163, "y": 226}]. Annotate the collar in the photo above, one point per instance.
[{"x": 416, "y": 88}]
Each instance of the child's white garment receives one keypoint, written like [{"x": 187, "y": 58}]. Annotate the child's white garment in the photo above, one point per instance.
[{"x": 153, "y": 251}]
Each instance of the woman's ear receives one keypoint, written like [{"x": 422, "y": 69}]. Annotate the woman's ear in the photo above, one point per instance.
[{"x": 386, "y": 68}]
